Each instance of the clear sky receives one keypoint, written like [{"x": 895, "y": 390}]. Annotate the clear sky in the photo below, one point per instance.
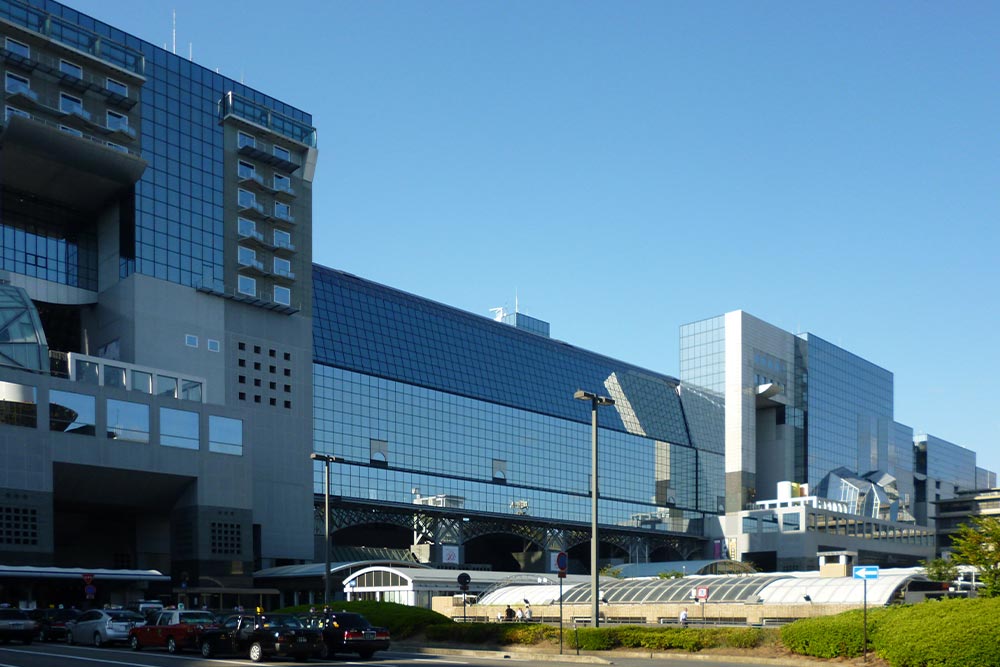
[{"x": 628, "y": 167}]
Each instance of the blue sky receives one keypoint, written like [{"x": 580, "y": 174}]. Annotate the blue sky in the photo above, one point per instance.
[{"x": 627, "y": 167}]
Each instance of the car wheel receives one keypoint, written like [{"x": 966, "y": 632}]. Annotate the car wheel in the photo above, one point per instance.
[
  {"x": 134, "y": 643},
  {"x": 171, "y": 645},
  {"x": 69, "y": 637},
  {"x": 206, "y": 649},
  {"x": 43, "y": 636},
  {"x": 256, "y": 652},
  {"x": 324, "y": 652},
  {"x": 366, "y": 655},
  {"x": 98, "y": 640}
]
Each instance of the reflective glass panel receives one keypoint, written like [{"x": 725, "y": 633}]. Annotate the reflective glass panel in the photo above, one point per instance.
[
  {"x": 179, "y": 428},
  {"x": 87, "y": 372},
  {"x": 18, "y": 405},
  {"x": 114, "y": 376},
  {"x": 166, "y": 386},
  {"x": 128, "y": 421},
  {"x": 72, "y": 413},
  {"x": 142, "y": 382},
  {"x": 225, "y": 435}
]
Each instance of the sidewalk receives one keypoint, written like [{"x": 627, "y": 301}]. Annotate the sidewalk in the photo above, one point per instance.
[{"x": 548, "y": 654}]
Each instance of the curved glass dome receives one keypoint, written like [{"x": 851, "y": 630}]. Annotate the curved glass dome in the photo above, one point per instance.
[{"x": 22, "y": 339}]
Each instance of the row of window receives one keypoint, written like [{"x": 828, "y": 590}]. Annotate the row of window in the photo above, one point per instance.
[
  {"x": 65, "y": 67},
  {"x": 244, "y": 139},
  {"x": 279, "y": 182},
  {"x": 70, "y": 412},
  {"x": 99, "y": 372},
  {"x": 247, "y": 200},
  {"x": 248, "y": 257},
  {"x": 114, "y": 121},
  {"x": 248, "y": 286},
  {"x": 247, "y": 229}
]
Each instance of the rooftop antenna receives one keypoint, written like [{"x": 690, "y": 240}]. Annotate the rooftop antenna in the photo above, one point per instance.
[
  {"x": 174, "y": 33},
  {"x": 499, "y": 313},
  {"x": 190, "y": 51}
]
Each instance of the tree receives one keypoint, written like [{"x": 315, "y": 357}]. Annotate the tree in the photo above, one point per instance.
[
  {"x": 978, "y": 544},
  {"x": 672, "y": 574},
  {"x": 939, "y": 569}
]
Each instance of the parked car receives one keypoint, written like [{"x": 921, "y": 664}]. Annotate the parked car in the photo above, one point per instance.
[
  {"x": 16, "y": 624},
  {"x": 261, "y": 635},
  {"x": 346, "y": 632},
  {"x": 103, "y": 626},
  {"x": 52, "y": 622},
  {"x": 173, "y": 629}
]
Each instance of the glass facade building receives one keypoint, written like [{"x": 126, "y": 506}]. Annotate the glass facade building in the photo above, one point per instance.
[{"x": 422, "y": 400}]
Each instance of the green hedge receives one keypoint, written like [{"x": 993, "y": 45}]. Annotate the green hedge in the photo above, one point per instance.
[
  {"x": 402, "y": 620},
  {"x": 946, "y": 633}
]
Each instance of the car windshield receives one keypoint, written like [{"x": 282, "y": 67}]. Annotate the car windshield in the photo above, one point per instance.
[
  {"x": 282, "y": 622},
  {"x": 196, "y": 617},
  {"x": 126, "y": 616}
]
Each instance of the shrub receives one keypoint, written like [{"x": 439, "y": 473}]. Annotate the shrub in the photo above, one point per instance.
[
  {"x": 946, "y": 633},
  {"x": 826, "y": 637}
]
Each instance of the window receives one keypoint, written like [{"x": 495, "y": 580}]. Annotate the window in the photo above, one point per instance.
[
  {"x": 179, "y": 428},
  {"x": 191, "y": 340},
  {"x": 166, "y": 386},
  {"x": 16, "y": 84},
  {"x": 128, "y": 421},
  {"x": 73, "y": 105},
  {"x": 246, "y": 256},
  {"x": 282, "y": 239},
  {"x": 116, "y": 87},
  {"x": 244, "y": 139},
  {"x": 142, "y": 382},
  {"x": 246, "y": 199},
  {"x": 117, "y": 121},
  {"x": 19, "y": 404},
  {"x": 245, "y": 170},
  {"x": 225, "y": 435},
  {"x": 72, "y": 69},
  {"x": 247, "y": 286},
  {"x": 213, "y": 345},
  {"x": 282, "y": 295},
  {"x": 282, "y": 153},
  {"x": 19, "y": 48},
  {"x": 71, "y": 130},
  {"x": 282, "y": 183},
  {"x": 87, "y": 372},
  {"x": 378, "y": 451},
  {"x": 11, "y": 111},
  {"x": 114, "y": 376},
  {"x": 282, "y": 210},
  {"x": 190, "y": 390},
  {"x": 282, "y": 267},
  {"x": 247, "y": 228}
]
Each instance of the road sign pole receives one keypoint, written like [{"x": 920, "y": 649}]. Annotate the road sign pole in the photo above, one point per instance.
[
  {"x": 865, "y": 632},
  {"x": 560, "y": 617}
]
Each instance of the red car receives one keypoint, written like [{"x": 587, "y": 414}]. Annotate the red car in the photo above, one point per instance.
[{"x": 172, "y": 629}]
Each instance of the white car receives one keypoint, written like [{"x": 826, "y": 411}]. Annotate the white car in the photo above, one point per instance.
[{"x": 103, "y": 626}]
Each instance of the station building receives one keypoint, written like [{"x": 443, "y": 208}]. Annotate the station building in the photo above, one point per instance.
[
  {"x": 155, "y": 226},
  {"x": 170, "y": 357}
]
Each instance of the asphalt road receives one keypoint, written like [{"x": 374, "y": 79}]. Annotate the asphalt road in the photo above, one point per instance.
[{"x": 62, "y": 655}]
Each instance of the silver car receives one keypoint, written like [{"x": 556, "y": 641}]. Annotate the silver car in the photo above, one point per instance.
[{"x": 103, "y": 626}]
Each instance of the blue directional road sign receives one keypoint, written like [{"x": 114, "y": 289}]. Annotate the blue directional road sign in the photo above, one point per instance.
[{"x": 866, "y": 571}]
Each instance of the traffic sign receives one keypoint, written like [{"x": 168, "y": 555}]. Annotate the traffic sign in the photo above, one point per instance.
[
  {"x": 562, "y": 562},
  {"x": 90, "y": 591},
  {"x": 87, "y": 578},
  {"x": 701, "y": 592},
  {"x": 866, "y": 572},
  {"x": 463, "y": 581}
]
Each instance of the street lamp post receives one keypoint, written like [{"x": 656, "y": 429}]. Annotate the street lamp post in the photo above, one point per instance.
[
  {"x": 595, "y": 401},
  {"x": 327, "y": 460}
]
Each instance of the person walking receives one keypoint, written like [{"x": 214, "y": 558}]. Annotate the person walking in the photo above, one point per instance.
[
  {"x": 520, "y": 615},
  {"x": 508, "y": 614},
  {"x": 684, "y": 617}
]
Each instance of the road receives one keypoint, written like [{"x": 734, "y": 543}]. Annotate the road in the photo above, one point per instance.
[{"x": 62, "y": 655}]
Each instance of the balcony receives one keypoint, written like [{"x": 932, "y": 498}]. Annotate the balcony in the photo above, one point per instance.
[
  {"x": 253, "y": 209},
  {"x": 286, "y": 218},
  {"x": 252, "y": 181},
  {"x": 83, "y": 171},
  {"x": 261, "y": 301},
  {"x": 23, "y": 96},
  {"x": 284, "y": 248},
  {"x": 254, "y": 238},
  {"x": 284, "y": 275},
  {"x": 49, "y": 66},
  {"x": 71, "y": 35},
  {"x": 120, "y": 130},
  {"x": 282, "y": 191},
  {"x": 251, "y": 266},
  {"x": 260, "y": 117}
]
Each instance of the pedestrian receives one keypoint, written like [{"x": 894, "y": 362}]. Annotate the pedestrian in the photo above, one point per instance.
[
  {"x": 684, "y": 617},
  {"x": 508, "y": 614},
  {"x": 519, "y": 615},
  {"x": 527, "y": 613}
]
